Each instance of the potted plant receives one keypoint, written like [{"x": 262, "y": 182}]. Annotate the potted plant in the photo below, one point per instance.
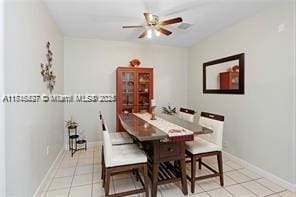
[{"x": 71, "y": 123}]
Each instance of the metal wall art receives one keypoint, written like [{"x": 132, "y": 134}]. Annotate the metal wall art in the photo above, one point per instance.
[{"x": 46, "y": 70}]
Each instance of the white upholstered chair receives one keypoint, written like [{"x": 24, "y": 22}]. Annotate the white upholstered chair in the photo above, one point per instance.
[
  {"x": 186, "y": 114},
  {"x": 207, "y": 145},
  {"x": 117, "y": 138},
  {"x": 120, "y": 159}
]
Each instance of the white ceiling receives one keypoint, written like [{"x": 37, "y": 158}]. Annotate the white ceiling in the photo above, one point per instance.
[{"x": 103, "y": 19}]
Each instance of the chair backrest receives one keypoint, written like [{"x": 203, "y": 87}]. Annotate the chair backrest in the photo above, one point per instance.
[
  {"x": 186, "y": 114},
  {"x": 103, "y": 122},
  {"x": 107, "y": 148},
  {"x": 215, "y": 123}
]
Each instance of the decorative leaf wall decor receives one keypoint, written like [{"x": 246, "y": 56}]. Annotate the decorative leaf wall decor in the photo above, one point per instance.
[{"x": 46, "y": 69}]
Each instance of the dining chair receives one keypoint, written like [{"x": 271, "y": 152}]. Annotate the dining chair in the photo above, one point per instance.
[
  {"x": 206, "y": 145},
  {"x": 117, "y": 138},
  {"x": 186, "y": 114},
  {"x": 122, "y": 159}
]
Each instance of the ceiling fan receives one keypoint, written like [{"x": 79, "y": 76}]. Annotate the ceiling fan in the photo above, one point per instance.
[{"x": 153, "y": 23}]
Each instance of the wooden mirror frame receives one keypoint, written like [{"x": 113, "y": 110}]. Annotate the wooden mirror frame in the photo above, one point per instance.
[{"x": 241, "y": 58}]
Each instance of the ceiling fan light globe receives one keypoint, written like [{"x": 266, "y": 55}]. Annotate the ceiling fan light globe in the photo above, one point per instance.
[
  {"x": 149, "y": 33},
  {"x": 157, "y": 33}
]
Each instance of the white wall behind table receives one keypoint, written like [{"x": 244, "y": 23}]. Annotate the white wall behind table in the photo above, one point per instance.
[{"x": 90, "y": 67}]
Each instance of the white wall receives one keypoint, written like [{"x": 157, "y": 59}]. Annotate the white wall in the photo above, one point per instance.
[
  {"x": 90, "y": 67},
  {"x": 294, "y": 41},
  {"x": 2, "y": 121},
  {"x": 259, "y": 124},
  {"x": 30, "y": 128}
]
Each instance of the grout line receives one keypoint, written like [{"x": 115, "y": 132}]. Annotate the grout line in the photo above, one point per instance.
[
  {"x": 73, "y": 175},
  {"x": 248, "y": 189},
  {"x": 52, "y": 178},
  {"x": 93, "y": 171},
  {"x": 266, "y": 186}
]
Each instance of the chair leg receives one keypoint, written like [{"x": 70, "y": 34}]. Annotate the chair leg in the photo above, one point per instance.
[
  {"x": 193, "y": 172},
  {"x": 145, "y": 180},
  {"x": 199, "y": 163},
  {"x": 107, "y": 182},
  {"x": 103, "y": 172},
  {"x": 220, "y": 167}
]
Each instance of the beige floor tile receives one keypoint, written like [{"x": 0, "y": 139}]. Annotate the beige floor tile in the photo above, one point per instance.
[
  {"x": 68, "y": 164},
  {"x": 270, "y": 185},
  {"x": 58, "y": 193},
  {"x": 233, "y": 165},
  {"x": 239, "y": 191},
  {"x": 123, "y": 185},
  {"x": 220, "y": 193},
  {"x": 227, "y": 181},
  {"x": 208, "y": 184},
  {"x": 63, "y": 172},
  {"x": 169, "y": 190},
  {"x": 81, "y": 191},
  {"x": 97, "y": 168},
  {"x": 98, "y": 190},
  {"x": 86, "y": 155},
  {"x": 85, "y": 161},
  {"x": 204, "y": 194},
  {"x": 274, "y": 195},
  {"x": 238, "y": 176},
  {"x": 96, "y": 177},
  {"x": 59, "y": 183},
  {"x": 257, "y": 189},
  {"x": 87, "y": 169},
  {"x": 198, "y": 188},
  {"x": 287, "y": 194},
  {"x": 84, "y": 179},
  {"x": 249, "y": 173}
]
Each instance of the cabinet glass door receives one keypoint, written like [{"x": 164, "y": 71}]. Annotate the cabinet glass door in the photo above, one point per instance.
[
  {"x": 128, "y": 91},
  {"x": 144, "y": 92}
]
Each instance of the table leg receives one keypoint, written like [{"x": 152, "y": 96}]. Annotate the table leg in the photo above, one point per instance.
[
  {"x": 183, "y": 176},
  {"x": 155, "y": 168}
]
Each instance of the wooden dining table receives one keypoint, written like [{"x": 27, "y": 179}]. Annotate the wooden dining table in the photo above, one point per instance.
[{"x": 163, "y": 141}]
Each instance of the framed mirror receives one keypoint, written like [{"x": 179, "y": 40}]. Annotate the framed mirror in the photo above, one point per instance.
[{"x": 225, "y": 75}]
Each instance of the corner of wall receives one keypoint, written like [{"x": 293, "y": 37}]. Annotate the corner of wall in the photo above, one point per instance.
[
  {"x": 294, "y": 103},
  {"x": 2, "y": 118}
]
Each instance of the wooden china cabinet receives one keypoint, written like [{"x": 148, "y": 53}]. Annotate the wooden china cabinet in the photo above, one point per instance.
[
  {"x": 229, "y": 80},
  {"x": 134, "y": 91}
]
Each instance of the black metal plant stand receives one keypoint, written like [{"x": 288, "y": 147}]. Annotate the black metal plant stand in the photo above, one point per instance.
[{"x": 73, "y": 140}]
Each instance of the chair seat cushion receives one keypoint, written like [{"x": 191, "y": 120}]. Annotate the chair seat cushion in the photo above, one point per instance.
[
  {"x": 126, "y": 155},
  {"x": 118, "y": 138},
  {"x": 200, "y": 145}
]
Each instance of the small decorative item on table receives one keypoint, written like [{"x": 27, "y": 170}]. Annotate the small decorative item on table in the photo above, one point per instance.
[{"x": 153, "y": 106}]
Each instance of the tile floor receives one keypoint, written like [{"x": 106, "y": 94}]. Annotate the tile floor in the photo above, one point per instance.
[{"x": 80, "y": 176}]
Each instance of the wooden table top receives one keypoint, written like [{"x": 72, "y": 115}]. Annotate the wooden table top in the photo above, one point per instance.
[
  {"x": 144, "y": 131},
  {"x": 140, "y": 129}
]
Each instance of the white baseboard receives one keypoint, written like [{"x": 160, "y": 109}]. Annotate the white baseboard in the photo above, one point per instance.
[
  {"x": 49, "y": 173},
  {"x": 89, "y": 144},
  {"x": 281, "y": 182}
]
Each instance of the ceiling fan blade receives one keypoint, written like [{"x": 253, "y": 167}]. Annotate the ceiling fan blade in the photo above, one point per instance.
[
  {"x": 171, "y": 21},
  {"x": 164, "y": 31},
  {"x": 148, "y": 17},
  {"x": 133, "y": 26},
  {"x": 143, "y": 34}
]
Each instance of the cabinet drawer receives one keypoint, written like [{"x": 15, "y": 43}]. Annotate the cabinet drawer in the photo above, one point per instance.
[{"x": 169, "y": 150}]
